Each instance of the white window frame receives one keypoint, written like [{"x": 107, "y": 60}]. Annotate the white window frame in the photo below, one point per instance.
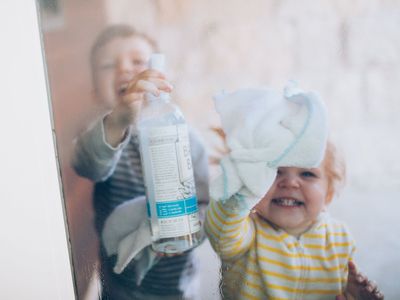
[{"x": 34, "y": 260}]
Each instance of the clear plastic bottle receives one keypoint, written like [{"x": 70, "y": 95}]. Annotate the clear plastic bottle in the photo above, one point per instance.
[{"x": 168, "y": 173}]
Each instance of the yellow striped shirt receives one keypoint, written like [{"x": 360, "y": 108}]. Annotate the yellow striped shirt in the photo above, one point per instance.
[{"x": 260, "y": 262}]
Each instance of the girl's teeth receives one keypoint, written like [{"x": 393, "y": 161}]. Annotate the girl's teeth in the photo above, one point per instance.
[{"x": 287, "y": 202}]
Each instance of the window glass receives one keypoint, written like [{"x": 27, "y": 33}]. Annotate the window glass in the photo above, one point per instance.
[{"x": 346, "y": 51}]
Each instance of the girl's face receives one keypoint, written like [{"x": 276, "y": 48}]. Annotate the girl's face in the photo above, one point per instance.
[
  {"x": 117, "y": 63},
  {"x": 295, "y": 200}
]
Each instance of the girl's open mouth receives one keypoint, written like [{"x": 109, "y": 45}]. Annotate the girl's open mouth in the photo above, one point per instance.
[{"x": 287, "y": 202}]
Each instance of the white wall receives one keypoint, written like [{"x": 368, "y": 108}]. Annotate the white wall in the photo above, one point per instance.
[{"x": 34, "y": 257}]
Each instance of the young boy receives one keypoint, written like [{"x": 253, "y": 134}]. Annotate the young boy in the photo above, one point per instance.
[
  {"x": 284, "y": 246},
  {"x": 108, "y": 154}
]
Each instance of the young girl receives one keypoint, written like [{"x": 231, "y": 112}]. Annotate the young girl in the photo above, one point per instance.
[
  {"x": 287, "y": 246},
  {"x": 108, "y": 154}
]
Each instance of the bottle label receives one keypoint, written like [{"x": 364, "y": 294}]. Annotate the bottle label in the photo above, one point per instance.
[{"x": 174, "y": 188}]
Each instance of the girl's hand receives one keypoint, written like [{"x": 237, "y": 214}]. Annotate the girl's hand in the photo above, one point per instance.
[
  {"x": 130, "y": 97},
  {"x": 359, "y": 287}
]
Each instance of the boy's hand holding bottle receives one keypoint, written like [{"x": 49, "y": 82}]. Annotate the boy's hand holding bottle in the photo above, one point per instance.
[{"x": 130, "y": 95}]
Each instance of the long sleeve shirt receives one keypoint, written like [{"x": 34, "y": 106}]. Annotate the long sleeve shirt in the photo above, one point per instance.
[{"x": 260, "y": 261}]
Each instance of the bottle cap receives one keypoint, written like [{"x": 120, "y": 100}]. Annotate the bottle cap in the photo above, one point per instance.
[{"x": 157, "y": 62}]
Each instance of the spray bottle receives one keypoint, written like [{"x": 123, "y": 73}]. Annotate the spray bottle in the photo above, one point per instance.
[{"x": 168, "y": 173}]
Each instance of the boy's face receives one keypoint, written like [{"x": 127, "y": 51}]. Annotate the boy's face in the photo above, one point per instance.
[
  {"x": 116, "y": 63},
  {"x": 295, "y": 199}
]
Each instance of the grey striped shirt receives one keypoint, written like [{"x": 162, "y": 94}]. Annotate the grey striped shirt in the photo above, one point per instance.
[{"x": 117, "y": 174}]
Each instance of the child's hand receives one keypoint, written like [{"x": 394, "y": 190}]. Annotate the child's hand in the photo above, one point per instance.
[
  {"x": 130, "y": 96},
  {"x": 162, "y": 254},
  {"x": 149, "y": 81},
  {"x": 359, "y": 287}
]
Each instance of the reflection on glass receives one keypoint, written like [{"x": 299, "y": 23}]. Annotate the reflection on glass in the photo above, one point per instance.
[
  {"x": 108, "y": 154},
  {"x": 346, "y": 51}
]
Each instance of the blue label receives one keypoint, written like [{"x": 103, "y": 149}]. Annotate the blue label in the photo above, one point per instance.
[{"x": 168, "y": 209}]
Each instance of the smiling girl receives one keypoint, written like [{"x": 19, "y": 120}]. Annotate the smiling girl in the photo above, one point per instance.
[{"x": 287, "y": 246}]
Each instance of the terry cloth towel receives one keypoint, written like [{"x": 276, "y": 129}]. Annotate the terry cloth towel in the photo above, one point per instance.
[
  {"x": 266, "y": 129},
  {"x": 127, "y": 234}
]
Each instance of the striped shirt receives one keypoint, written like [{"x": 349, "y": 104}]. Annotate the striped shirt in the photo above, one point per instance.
[
  {"x": 262, "y": 262},
  {"x": 117, "y": 174}
]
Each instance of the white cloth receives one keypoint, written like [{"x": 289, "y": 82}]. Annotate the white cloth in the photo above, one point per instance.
[
  {"x": 127, "y": 233},
  {"x": 265, "y": 130}
]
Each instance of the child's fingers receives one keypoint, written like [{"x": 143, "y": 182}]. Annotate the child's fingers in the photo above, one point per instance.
[
  {"x": 151, "y": 73},
  {"x": 372, "y": 289},
  {"x": 361, "y": 279},
  {"x": 149, "y": 85},
  {"x": 142, "y": 86},
  {"x": 132, "y": 98},
  {"x": 352, "y": 267},
  {"x": 379, "y": 295},
  {"x": 162, "y": 84},
  {"x": 162, "y": 254},
  {"x": 361, "y": 285},
  {"x": 371, "y": 286}
]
